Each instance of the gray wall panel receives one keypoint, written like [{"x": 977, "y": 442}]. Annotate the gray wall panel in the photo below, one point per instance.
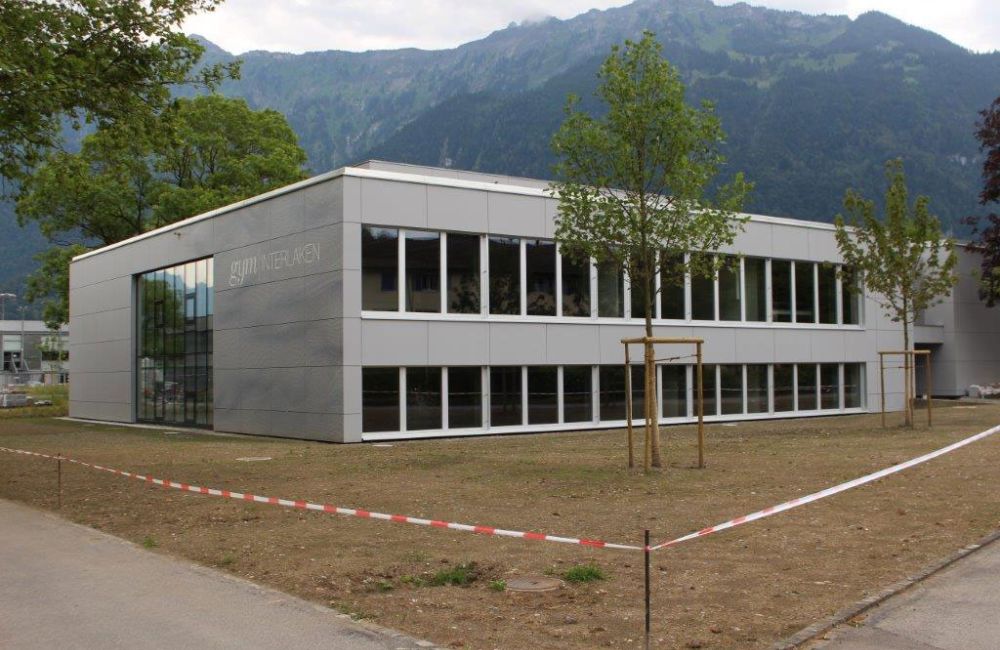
[
  {"x": 106, "y": 387},
  {"x": 517, "y": 343},
  {"x": 113, "y": 325},
  {"x": 512, "y": 214},
  {"x": 105, "y": 356},
  {"x": 104, "y": 296},
  {"x": 398, "y": 204},
  {"x": 305, "y": 298},
  {"x": 459, "y": 344},
  {"x": 310, "y": 343},
  {"x": 393, "y": 343},
  {"x": 457, "y": 210}
]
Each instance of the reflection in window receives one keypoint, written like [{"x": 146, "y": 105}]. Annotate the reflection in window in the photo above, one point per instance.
[
  {"x": 543, "y": 395},
  {"x": 640, "y": 287},
  {"x": 505, "y": 396},
  {"x": 853, "y": 385},
  {"x": 423, "y": 398},
  {"x": 423, "y": 272},
  {"x": 756, "y": 388},
  {"x": 805, "y": 309},
  {"x": 731, "y": 384},
  {"x": 708, "y": 384},
  {"x": 379, "y": 268},
  {"x": 174, "y": 345},
  {"x": 674, "y": 391},
  {"x": 829, "y": 386},
  {"x": 672, "y": 286},
  {"x": 379, "y": 399},
  {"x": 827, "y": 293},
  {"x": 754, "y": 275},
  {"x": 702, "y": 297},
  {"x": 808, "y": 390},
  {"x": 638, "y": 394},
  {"x": 465, "y": 397},
  {"x": 463, "y": 274},
  {"x": 781, "y": 291},
  {"x": 505, "y": 275},
  {"x": 784, "y": 387},
  {"x": 575, "y": 287},
  {"x": 730, "y": 295},
  {"x": 612, "y": 393},
  {"x": 540, "y": 261},
  {"x": 851, "y": 299},
  {"x": 577, "y": 394},
  {"x": 610, "y": 291}
]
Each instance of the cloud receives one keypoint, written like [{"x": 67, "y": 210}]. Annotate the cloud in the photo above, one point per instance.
[{"x": 357, "y": 25}]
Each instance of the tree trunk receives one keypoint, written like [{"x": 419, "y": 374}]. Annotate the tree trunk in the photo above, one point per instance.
[
  {"x": 653, "y": 423},
  {"x": 908, "y": 381}
]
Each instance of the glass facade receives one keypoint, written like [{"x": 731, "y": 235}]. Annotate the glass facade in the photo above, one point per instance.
[
  {"x": 578, "y": 396},
  {"x": 423, "y": 398},
  {"x": 465, "y": 397},
  {"x": 672, "y": 286},
  {"x": 827, "y": 293},
  {"x": 174, "y": 346},
  {"x": 505, "y": 396},
  {"x": 610, "y": 291},
  {"x": 423, "y": 271},
  {"x": 575, "y": 288},
  {"x": 730, "y": 295},
  {"x": 731, "y": 388},
  {"x": 808, "y": 389},
  {"x": 540, "y": 265},
  {"x": 757, "y": 388},
  {"x": 463, "y": 274},
  {"x": 805, "y": 294},
  {"x": 781, "y": 291},
  {"x": 784, "y": 387},
  {"x": 702, "y": 297},
  {"x": 674, "y": 382},
  {"x": 755, "y": 281},
  {"x": 379, "y": 268},
  {"x": 505, "y": 275},
  {"x": 543, "y": 395}
]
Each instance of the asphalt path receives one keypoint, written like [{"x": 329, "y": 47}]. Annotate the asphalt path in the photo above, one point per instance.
[{"x": 63, "y": 585}]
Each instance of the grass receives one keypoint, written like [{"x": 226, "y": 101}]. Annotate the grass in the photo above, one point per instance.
[
  {"x": 149, "y": 542},
  {"x": 584, "y": 573},
  {"x": 58, "y": 394},
  {"x": 498, "y": 585},
  {"x": 758, "y": 583}
]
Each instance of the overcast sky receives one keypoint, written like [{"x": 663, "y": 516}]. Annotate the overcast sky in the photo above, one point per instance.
[{"x": 304, "y": 25}]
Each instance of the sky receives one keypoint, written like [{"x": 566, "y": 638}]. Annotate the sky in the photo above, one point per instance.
[{"x": 357, "y": 25}]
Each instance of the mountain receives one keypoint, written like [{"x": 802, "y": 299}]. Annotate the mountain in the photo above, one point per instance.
[{"x": 811, "y": 104}]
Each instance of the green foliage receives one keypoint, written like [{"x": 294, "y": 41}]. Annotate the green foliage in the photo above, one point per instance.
[
  {"x": 97, "y": 61},
  {"x": 127, "y": 179},
  {"x": 149, "y": 542},
  {"x": 498, "y": 585},
  {"x": 584, "y": 573},
  {"x": 460, "y": 575},
  {"x": 634, "y": 181},
  {"x": 903, "y": 259}
]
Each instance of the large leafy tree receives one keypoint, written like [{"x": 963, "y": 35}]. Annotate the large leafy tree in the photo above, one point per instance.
[
  {"x": 99, "y": 61},
  {"x": 633, "y": 184},
  {"x": 200, "y": 154},
  {"x": 905, "y": 261},
  {"x": 987, "y": 229}
]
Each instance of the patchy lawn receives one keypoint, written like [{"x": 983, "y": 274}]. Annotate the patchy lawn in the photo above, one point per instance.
[{"x": 745, "y": 587}]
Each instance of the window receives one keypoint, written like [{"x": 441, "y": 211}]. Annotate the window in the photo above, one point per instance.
[
  {"x": 850, "y": 296},
  {"x": 805, "y": 310},
  {"x": 757, "y": 388},
  {"x": 754, "y": 276},
  {"x": 379, "y": 399},
  {"x": 505, "y": 275},
  {"x": 730, "y": 296},
  {"x": 827, "y": 293},
  {"x": 465, "y": 397},
  {"x": 423, "y": 398},
  {"x": 672, "y": 286},
  {"x": 575, "y": 288},
  {"x": 829, "y": 375},
  {"x": 781, "y": 291},
  {"x": 610, "y": 291},
  {"x": 423, "y": 271},
  {"x": 577, "y": 394},
  {"x": 708, "y": 384},
  {"x": 702, "y": 297},
  {"x": 612, "y": 387},
  {"x": 173, "y": 345},
  {"x": 674, "y": 391},
  {"x": 540, "y": 261},
  {"x": 463, "y": 274},
  {"x": 379, "y": 268},
  {"x": 784, "y": 387},
  {"x": 505, "y": 396},
  {"x": 640, "y": 287},
  {"x": 853, "y": 385},
  {"x": 639, "y": 393},
  {"x": 731, "y": 383},
  {"x": 543, "y": 395},
  {"x": 808, "y": 390}
]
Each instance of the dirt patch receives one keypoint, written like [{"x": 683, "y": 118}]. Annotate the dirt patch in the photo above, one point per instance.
[{"x": 742, "y": 588}]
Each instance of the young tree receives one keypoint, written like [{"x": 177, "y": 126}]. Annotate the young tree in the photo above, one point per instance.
[
  {"x": 201, "y": 154},
  {"x": 633, "y": 184},
  {"x": 89, "y": 61},
  {"x": 987, "y": 236},
  {"x": 902, "y": 258}
]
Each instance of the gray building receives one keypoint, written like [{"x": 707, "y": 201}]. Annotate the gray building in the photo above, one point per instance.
[
  {"x": 392, "y": 301},
  {"x": 32, "y": 352}
]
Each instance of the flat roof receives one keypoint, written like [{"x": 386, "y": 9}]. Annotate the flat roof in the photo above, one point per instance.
[{"x": 440, "y": 176}]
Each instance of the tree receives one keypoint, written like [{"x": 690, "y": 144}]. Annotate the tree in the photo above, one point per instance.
[
  {"x": 99, "y": 61},
  {"x": 633, "y": 184},
  {"x": 902, "y": 258},
  {"x": 987, "y": 237},
  {"x": 127, "y": 179}
]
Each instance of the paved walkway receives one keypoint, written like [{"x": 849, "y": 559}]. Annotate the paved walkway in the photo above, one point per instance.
[
  {"x": 67, "y": 586},
  {"x": 958, "y": 608}
]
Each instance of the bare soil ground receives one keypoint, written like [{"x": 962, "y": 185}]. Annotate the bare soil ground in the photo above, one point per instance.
[{"x": 745, "y": 587}]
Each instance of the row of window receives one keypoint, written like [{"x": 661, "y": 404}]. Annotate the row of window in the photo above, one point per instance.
[
  {"x": 455, "y": 273},
  {"x": 464, "y": 397}
]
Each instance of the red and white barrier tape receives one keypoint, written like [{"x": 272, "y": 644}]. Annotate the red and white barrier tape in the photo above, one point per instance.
[
  {"x": 349, "y": 512},
  {"x": 822, "y": 494}
]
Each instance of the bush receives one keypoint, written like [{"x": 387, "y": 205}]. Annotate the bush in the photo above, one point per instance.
[{"x": 460, "y": 575}]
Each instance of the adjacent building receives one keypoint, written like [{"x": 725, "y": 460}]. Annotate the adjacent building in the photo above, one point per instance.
[{"x": 391, "y": 301}]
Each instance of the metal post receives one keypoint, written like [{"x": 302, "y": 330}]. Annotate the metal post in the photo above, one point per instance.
[
  {"x": 645, "y": 551},
  {"x": 881, "y": 378},
  {"x": 59, "y": 480},
  {"x": 930, "y": 388},
  {"x": 701, "y": 411},
  {"x": 628, "y": 409}
]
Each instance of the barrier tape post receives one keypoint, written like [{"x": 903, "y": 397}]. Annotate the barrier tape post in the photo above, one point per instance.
[
  {"x": 646, "y": 553},
  {"x": 59, "y": 481}
]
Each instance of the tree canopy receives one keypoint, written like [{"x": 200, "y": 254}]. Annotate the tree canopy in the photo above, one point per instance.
[
  {"x": 98, "y": 61},
  {"x": 986, "y": 230}
]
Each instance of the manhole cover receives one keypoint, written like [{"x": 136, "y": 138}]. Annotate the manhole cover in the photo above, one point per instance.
[
  {"x": 533, "y": 584},
  {"x": 253, "y": 459}
]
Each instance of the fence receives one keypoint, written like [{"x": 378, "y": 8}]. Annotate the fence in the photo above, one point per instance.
[{"x": 29, "y": 378}]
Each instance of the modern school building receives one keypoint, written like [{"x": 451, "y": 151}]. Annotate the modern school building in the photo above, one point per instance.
[{"x": 390, "y": 301}]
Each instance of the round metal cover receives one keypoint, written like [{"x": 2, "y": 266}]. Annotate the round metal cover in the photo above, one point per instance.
[{"x": 533, "y": 584}]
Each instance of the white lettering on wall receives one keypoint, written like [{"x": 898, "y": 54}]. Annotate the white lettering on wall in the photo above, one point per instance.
[{"x": 258, "y": 267}]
